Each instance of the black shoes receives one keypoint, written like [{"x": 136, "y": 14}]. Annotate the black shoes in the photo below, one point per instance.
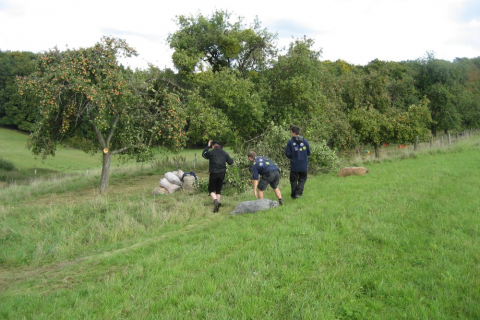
[
  {"x": 216, "y": 206},
  {"x": 280, "y": 201}
]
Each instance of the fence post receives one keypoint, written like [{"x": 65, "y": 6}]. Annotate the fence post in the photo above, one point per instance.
[
  {"x": 431, "y": 142},
  {"x": 449, "y": 138},
  {"x": 416, "y": 144},
  {"x": 194, "y": 159}
]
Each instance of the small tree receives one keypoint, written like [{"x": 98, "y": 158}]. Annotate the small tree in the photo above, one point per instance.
[
  {"x": 412, "y": 123},
  {"x": 86, "y": 92},
  {"x": 372, "y": 126}
]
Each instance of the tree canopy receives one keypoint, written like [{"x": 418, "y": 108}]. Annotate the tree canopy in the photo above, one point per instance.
[
  {"x": 215, "y": 42},
  {"x": 86, "y": 92}
]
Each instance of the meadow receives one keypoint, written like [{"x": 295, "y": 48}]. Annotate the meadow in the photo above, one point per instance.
[{"x": 398, "y": 243}]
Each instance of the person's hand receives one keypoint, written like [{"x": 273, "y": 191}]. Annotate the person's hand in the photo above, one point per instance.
[
  {"x": 255, "y": 193},
  {"x": 210, "y": 143}
]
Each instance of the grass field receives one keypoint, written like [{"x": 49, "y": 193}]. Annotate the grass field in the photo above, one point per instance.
[
  {"x": 13, "y": 148},
  {"x": 398, "y": 243}
]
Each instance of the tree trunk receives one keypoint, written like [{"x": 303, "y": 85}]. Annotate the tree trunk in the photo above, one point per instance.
[
  {"x": 376, "y": 151},
  {"x": 107, "y": 157},
  {"x": 434, "y": 130}
]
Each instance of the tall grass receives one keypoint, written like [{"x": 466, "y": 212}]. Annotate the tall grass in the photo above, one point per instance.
[
  {"x": 398, "y": 243},
  {"x": 23, "y": 167}
]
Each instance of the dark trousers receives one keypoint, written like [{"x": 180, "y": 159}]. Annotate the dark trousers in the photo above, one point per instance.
[
  {"x": 215, "y": 182},
  {"x": 297, "y": 182}
]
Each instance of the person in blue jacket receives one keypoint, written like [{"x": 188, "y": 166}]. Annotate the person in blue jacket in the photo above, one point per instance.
[
  {"x": 218, "y": 159},
  {"x": 269, "y": 175},
  {"x": 298, "y": 151}
]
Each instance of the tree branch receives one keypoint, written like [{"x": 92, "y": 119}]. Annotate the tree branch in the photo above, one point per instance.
[{"x": 99, "y": 136}]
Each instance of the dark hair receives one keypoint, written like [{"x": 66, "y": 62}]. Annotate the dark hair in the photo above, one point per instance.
[{"x": 295, "y": 129}]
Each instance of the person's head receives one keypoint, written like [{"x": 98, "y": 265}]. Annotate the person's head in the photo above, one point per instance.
[
  {"x": 251, "y": 155},
  {"x": 216, "y": 145},
  {"x": 294, "y": 130}
]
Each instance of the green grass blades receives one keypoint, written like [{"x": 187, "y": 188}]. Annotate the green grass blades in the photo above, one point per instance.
[{"x": 398, "y": 243}]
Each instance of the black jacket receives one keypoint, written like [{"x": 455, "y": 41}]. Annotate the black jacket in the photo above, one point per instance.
[{"x": 218, "y": 159}]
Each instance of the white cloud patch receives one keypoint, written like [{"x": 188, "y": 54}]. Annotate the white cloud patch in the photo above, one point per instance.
[{"x": 357, "y": 31}]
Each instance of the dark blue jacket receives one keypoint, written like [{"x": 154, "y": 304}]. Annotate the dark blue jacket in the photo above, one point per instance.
[
  {"x": 262, "y": 165},
  {"x": 298, "y": 151}
]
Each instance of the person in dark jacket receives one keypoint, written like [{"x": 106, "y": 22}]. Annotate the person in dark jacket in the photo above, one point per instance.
[
  {"x": 270, "y": 175},
  {"x": 217, "y": 167},
  {"x": 298, "y": 151}
]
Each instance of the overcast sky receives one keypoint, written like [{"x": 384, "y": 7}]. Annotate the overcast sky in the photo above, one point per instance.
[{"x": 357, "y": 31}]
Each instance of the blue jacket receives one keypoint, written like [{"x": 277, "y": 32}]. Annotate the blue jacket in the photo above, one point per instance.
[
  {"x": 298, "y": 151},
  {"x": 262, "y": 165}
]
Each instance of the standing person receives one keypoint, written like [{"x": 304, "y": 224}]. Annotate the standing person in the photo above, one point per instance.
[
  {"x": 298, "y": 151},
  {"x": 270, "y": 175},
  {"x": 218, "y": 159}
]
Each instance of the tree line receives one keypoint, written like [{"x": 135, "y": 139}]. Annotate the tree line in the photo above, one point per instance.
[{"x": 231, "y": 83}]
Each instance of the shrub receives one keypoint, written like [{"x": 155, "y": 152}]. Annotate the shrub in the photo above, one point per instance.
[
  {"x": 323, "y": 159},
  {"x": 272, "y": 144},
  {"x": 6, "y": 165}
]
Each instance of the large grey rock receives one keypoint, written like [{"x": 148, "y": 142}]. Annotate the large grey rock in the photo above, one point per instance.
[{"x": 254, "y": 206}]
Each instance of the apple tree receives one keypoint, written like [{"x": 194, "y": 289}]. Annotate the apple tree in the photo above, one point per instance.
[{"x": 86, "y": 92}]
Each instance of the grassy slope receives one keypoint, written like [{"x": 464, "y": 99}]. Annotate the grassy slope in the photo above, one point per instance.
[
  {"x": 13, "y": 147},
  {"x": 400, "y": 242}
]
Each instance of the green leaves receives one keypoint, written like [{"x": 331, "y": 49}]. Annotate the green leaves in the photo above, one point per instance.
[
  {"x": 86, "y": 92},
  {"x": 216, "y": 43}
]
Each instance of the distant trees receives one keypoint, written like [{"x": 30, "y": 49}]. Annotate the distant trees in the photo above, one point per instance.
[
  {"x": 439, "y": 81},
  {"x": 15, "y": 110}
]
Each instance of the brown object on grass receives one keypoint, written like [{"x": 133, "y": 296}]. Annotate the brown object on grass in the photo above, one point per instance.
[{"x": 353, "y": 171}]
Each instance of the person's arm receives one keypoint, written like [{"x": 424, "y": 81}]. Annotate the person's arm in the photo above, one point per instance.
[
  {"x": 229, "y": 159},
  {"x": 308, "y": 148},
  {"x": 255, "y": 180},
  {"x": 205, "y": 151},
  {"x": 255, "y": 184},
  {"x": 288, "y": 151}
]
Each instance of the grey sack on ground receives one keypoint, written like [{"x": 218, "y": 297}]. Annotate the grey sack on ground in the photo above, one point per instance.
[{"x": 254, "y": 206}]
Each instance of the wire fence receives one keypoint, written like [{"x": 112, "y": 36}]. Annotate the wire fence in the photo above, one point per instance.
[{"x": 391, "y": 150}]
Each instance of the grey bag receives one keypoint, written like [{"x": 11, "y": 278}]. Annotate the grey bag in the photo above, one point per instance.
[{"x": 254, "y": 206}]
